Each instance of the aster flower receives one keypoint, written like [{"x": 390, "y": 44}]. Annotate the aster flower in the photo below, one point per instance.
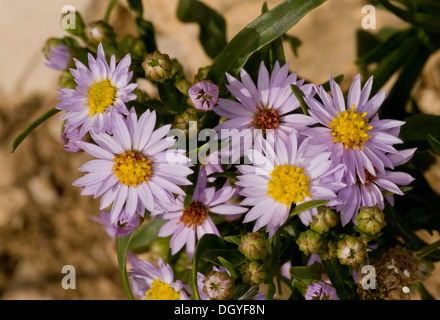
[
  {"x": 125, "y": 226},
  {"x": 100, "y": 95},
  {"x": 185, "y": 222},
  {"x": 288, "y": 173},
  {"x": 204, "y": 95},
  {"x": 152, "y": 283},
  {"x": 58, "y": 57},
  {"x": 321, "y": 291},
  {"x": 69, "y": 137},
  {"x": 132, "y": 168},
  {"x": 352, "y": 131},
  {"x": 369, "y": 193},
  {"x": 265, "y": 106}
]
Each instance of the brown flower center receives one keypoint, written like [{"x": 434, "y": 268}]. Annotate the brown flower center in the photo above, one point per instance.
[{"x": 193, "y": 215}]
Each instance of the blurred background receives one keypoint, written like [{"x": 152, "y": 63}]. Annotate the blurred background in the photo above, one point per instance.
[{"x": 44, "y": 221}]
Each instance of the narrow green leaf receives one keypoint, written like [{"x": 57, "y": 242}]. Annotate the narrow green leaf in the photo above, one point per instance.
[
  {"x": 403, "y": 189},
  {"x": 145, "y": 235},
  {"x": 424, "y": 294},
  {"x": 136, "y": 6},
  {"x": 306, "y": 206},
  {"x": 122, "y": 245},
  {"x": 233, "y": 239},
  {"x": 341, "y": 279},
  {"x": 212, "y": 25},
  {"x": 235, "y": 274},
  {"x": 19, "y": 139},
  {"x": 257, "y": 34},
  {"x": 147, "y": 33},
  {"x": 307, "y": 274},
  {"x": 300, "y": 96},
  {"x": 434, "y": 143}
]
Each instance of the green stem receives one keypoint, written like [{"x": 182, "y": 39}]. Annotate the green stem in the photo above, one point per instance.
[
  {"x": 109, "y": 10},
  {"x": 19, "y": 139},
  {"x": 427, "y": 250}
]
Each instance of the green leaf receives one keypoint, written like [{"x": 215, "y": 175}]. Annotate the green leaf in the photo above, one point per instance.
[
  {"x": 394, "y": 106},
  {"x": 426, "y": 21},
  {"x": 434, "y": 143},
  {"x": 212, "y": 25},
  {"x": 424, "y": 294},
  {"x": 293, "y": 42},
  {"x": 122, "y": 245},
  {"x": 257, "y": 34},
  {"x": 145, "y": 235},
  {"x": 136, "y": 6},
  {"x": 233, "y": 239},
  {"x": 235, "y": 273},
  {"x": 306, "y": 206},
  {"x": 300, "y": 96},
  {"x": 340, "y": 277},
  {"x": 403, "y": 189},
  {"x": 307, "y": 274},
  {"x": 417, "y": 127},
  {"x": 147, "y": 33},
  {"x": 34, "y": 124},
  {"x": 172, "y": 98}
]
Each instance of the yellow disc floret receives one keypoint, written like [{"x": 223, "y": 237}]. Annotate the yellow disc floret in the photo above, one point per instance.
[
  {"x": 193, "y": 215},
  {"x": 131, "y": 168},
  {"x": 288, "y": 184},
  {"x": 350, "y": 128},
  {"x": 161, "y": 291},
  {"x": 101, "y": 95}
]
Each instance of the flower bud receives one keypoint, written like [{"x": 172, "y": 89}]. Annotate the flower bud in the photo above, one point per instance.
[
  {"x": 58, "y": 55},
  {"x": 253, "y": 273},
  {"x": 158, "y": 66},
  {"x": 218, "y": 285},
  {"x": 187, "y": 121},
  {"x": 351, "y": 250},
  {"x": 370, "y": 220},
  {"x": 204, "y": 95},
  {"x": 324, "y": 220},
  {"x": 309, "y": 242},
  {"x": 329, "y": 250},
  {"x": 72, "y": 22},
  {"x": 253, "y": 246},
  {"x": 99, "y": 31}
]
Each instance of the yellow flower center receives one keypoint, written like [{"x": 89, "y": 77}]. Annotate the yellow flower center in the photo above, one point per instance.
[
  {"x": 132, "y": 168},
  {"x": 161, "y": 291},
  {"x": 101, "y": 95},
  {"x": 288, "y": 184},
  {"x": 350, "y": 128},
  {"x": 193, "y": 215}
]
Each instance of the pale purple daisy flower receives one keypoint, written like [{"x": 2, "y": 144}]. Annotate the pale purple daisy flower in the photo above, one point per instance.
[
  {"x": 133, "y": 168},
  {"x": 288, "y": 172},
  {"x": 69, "y": 137},
  {"x": 369, "y": 193},
  {"x": 265, "y": 106},
  {"x": 125, "y": 226},
  {"x": 58, "y": 57},
  {"x": 204, "y": 95},
  {"x": 321, "y": 291},
  {"x": 352, "y": 131},
  {"x": 100, "y": 95},
  {"x": 185, "y": 222},
  {"x": 152, "y": 283}
]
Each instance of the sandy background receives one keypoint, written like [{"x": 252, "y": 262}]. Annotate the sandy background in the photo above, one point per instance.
[{"x": 44, "y": 222}]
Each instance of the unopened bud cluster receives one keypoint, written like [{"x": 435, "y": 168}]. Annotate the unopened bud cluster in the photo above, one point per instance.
[
  {"x": 254, "y": 247},
  {"x": 324, "y": 220},
  {"x": 218, "y": 285},
  {"x": 351, "y": 250}
]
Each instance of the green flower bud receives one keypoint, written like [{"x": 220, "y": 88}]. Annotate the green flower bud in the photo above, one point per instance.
[
  {"x": 370, "y": 220},
  {"x": 158, "y": 66},
  {"x": 72, "y": 22},
  {"x": 324, "y": 220},
  {"x": 253, "y": 273},
  {"x": 218, "y": 285},
  {"x": 253, "y": 246},
  {"x": 329, "y": 250},
  {"x": 351, "y": 250},
  {"x": 187, "y": 120},
  {"x": 99, "y": 31},
  {"x": 309, "y": 242}
]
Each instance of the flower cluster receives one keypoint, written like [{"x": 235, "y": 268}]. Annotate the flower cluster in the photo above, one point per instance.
[{"x": 291, "y": 170}]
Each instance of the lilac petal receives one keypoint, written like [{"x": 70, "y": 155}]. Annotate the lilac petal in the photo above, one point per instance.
[
  {"x": 119, "y": 202},
  {"x": 132, "y": 201},
  {"x": 338, "y": 97},
  {"x": 95, "y": 150},
  {"x": 121, "y": 133},
  {"x": 227, "y": 209},
  {"x": 354, "y": 93}
]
